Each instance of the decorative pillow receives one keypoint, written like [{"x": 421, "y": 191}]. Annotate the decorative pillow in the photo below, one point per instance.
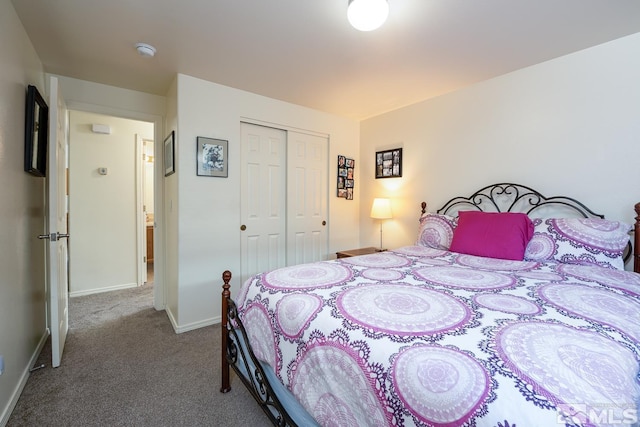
[
  {"x": 436, "y": 231},
  {"x": 502, "y": 235},
  {"x": 592, "y": 241}
]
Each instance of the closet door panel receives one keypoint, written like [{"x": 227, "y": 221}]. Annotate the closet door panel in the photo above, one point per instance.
[
  {"x": 263, "y": 202},
  {"x": 307, "y": 194}
]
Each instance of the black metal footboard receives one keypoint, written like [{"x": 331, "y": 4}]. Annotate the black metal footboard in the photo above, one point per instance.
[{"x": 237, "y": 354}]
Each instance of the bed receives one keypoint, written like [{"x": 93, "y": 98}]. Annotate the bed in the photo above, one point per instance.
[{"x": 459, "y": 329}]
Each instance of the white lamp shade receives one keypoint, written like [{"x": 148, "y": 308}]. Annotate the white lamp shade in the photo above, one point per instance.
[
  {"x": 381, "y": 209},
  {"x": 367, "y": 15}
]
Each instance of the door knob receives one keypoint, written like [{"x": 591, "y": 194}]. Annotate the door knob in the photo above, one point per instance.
[
  {"x": 243, "y": 227},
  {"x": 324, "y": 223},
  {"x": 54, "y": 237}
]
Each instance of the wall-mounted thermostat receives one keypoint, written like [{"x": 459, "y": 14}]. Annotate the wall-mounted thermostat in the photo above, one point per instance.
[{"x": 103, "y": 171}]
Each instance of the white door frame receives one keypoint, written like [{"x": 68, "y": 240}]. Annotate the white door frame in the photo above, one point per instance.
[
  {"x": 141, "y": 221},
  {"x": 159, "y": 289}
]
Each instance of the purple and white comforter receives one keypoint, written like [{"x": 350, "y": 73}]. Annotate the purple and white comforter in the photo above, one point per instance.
[{"x": 420, "y": 336}]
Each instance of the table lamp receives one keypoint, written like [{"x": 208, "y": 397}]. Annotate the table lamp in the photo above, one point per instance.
[{"x": 381, "y": 209}]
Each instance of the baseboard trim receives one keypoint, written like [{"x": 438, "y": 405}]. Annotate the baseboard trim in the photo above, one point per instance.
[
  {"x": 172, "y": 319},
  {"x": 178, "y": 329},
  {"x": 23, "y": 380},
  {"x": 101, "y": 290}
]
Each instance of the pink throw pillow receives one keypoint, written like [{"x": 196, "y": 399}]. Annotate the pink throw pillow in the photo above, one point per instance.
[{"x": 502, "y": 235}]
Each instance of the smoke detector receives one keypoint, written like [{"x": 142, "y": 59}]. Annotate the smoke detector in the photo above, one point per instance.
[{"x": 145, "y": 50}]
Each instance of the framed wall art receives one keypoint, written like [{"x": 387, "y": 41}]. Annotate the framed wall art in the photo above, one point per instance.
[
  {"x": 36, "y": 133},
  {"x": 169, "y": 154},
  {"x": 212, "y": 157},
  {"x": 389, "y": 163},
  {"x": 346, "y": 181}
]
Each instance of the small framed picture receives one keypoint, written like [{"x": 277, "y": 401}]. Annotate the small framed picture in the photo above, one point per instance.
[
  {"x": 36, "y": 133},
  {"x": 169, "y": 154},
  {"x": 212, "y": 157},
  {"x": 389, "y": 163},
  {"x": 346, "y": 182}
]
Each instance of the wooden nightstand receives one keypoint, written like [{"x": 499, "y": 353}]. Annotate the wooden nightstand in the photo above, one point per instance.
[{"x": 356, "y": 252}]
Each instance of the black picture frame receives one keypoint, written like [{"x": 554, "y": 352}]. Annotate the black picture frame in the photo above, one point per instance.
[
  {"x": 36, "y": 133},
  {"x": 345, "y": 179},
  {"x": 389, "y": 163},
  {"x": 212, "y": 157},
  {"x": 170, "y": 154}
]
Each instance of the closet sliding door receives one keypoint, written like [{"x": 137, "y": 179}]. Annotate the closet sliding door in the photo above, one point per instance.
[
  {"x": 263, "y": 199},
  {"x": 307, "y": 198},
  {"x": 284, "y": 198}
]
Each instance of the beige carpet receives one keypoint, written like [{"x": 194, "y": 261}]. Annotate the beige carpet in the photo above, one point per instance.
[{"x": 123, "y": 365}]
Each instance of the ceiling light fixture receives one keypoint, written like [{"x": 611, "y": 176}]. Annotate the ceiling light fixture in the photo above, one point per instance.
[
  {"x": 367, "y": 15},
  {"x": 145, "y": 50}
]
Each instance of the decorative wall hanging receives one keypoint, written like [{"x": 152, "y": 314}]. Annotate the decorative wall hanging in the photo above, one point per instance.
[
  {"x": 169, "y": 154},
  {"x": 36, "y": 133},
  {"x": 389, "y": 163},
  {"x": 345, "y": 177},
  {"x": 212, "y": 157}
]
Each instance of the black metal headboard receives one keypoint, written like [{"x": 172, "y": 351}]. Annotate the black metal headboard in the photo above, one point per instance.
[{"x": 508, "y": 197}]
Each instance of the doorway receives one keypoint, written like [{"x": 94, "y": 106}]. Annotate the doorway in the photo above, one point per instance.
[{"x": 106, "y": 202}]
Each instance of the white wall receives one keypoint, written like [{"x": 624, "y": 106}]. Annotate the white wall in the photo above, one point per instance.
[
  {"x": 22, "y": 278},
  {"x": 170, "y": 209},
  {"x": 209, "y": 208},
  {"x": 570, "y": 126},
  {"x": 104, "y": 99},
  {"x": 103, "y": 222}
]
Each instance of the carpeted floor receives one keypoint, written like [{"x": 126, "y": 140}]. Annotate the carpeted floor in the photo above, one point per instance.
[{"x": 123, "y": 365}]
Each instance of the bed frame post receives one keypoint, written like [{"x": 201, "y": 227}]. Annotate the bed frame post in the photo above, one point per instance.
[
  {"x": 636, "y": 246},
  {"x": 226, "y": 294}
]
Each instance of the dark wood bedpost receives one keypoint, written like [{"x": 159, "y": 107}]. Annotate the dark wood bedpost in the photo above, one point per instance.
[
  {"x": 424, "y": 207},
  {"x": 226, "y": 294},
  {"x": 636, "y": 246}
]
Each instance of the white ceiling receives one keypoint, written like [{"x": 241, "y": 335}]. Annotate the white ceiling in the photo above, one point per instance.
[{"x": 305, "y": 52}]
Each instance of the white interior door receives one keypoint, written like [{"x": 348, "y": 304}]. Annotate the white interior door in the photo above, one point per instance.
[
  {"x": 307, "y": 198},
  {"x": 57, "y": 254},
  {"x": 263, "y": 198}
]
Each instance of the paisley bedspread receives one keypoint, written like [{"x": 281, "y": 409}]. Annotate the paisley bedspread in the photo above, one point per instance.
[{"x": 420, "y": 336}]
